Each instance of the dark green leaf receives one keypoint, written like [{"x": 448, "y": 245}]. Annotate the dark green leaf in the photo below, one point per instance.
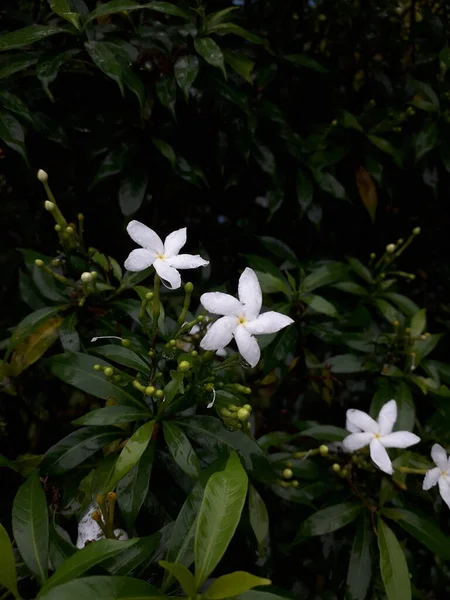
[
  {"x": 132, "y": 452},
  {"x": 418, "y": 323},
  {"x": 31, "y": 323},
  {"x": 346, "y": 363},
  {"x": 8, "y": 576},
  {"x": 12, "y": 63},
  {"x": 305, "y": 190},
  {"x": 426, "y": 139},
  {"x": 123, "y": 356},
  {"x": 226, "y": 28},
  {"x": 48, "y": 66},
  {"x": 166, "y": 91},
  {"x": 360, "y": 566},
  {"x": 132, "y": 192},
  {"x": 385, "y": 146},
  {"x": 70, "y": 340},
  {"x": 406, "y": 305},
  {"x": 62, "y": 9},
  {"x": 183, "y": 575},
  {"x": 386, "y": 309},
  {"x": 406, "y": 409},
  {"x": 361, "y": 270},
  {"x": 393, "y": 566},
  {"x": 319, "y": 304},
  {"x": 279, "y": 248},
  {"x": 305, "y": 61},
  {"x": 166, "y": 150},
  {"x": 168, "y": 8},
  {"x": 181, "y": 450},
  {"x": 328, "y": 183},
  {"x": 112, "y": 8},
  {"x": 12, "y": 133},
  {"x": 241, "y": 64},
  {"x": 324, "y": 275},
  {"x": 126, "y": 562},
  {"x": 76, "y": 447},
  {"x": 259, "y": 517},
  {"x": 60, "y": 547},
  {"x": 186, "y": 70},
  {"x": 113, "y": 415},
  {"x": 330, "y": 519},
  {"x": 210, "y": 51},
  {"x": 30, "y": 526},
  {"x": 108, "y": 61},
  {"x": 104, "y": 588},
  {"x": 28, "y": 35},
  {"x": 328, "y": 433}
]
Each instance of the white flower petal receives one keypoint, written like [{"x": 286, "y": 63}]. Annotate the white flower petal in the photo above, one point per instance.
[
  {"x": 356, "y": 441},
  {"x": 352, "y": 428},
  {"x": 269, "y": 322},
  {"x": 439, "y": 455},
  {"x": 174, "y": 242},
  {"x": 400, "y": 439},
  {"x": 140, "y": 259},
  {"x": 444, "y": 490},
  {"x": 247, "y": 345},
  {"x": 219, "y": 334},
  {"x": 249, "y": 292},
  {"x": 387, "y": 417},
  {"x": 145, "y": 237},
  {"x": 360, "y": 419},
  {"x": 221, "y": 304},
  {"x": 380, "y": 457},
  {"x": 187, "y": 261},
  {"x": 431, "y": 478},
  {"x": 168, "y": 274}
]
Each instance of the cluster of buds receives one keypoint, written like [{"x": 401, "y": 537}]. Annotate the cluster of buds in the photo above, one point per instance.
[
  {"x": 108, "y": 372},
  {"x": 148, "y": 390},
  {"x": 104, "y": 516},
  {"x": 287, "y": 473},
  {"x": 392, "y": 252},
  {"x": 236, "y": 417}
]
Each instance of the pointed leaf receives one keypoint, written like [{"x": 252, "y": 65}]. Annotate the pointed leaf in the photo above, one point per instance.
[
  {"x": 62, "y": 9},
  {"x": 186, "y": 70},
  {"x": 183, "y": 576},
  {"x": 104, "y": 588},
  {"x": 113, "y": 415},
  {"x": 328, "y": 183},
  {"x": 166, "y": 150},
  {"x": 123, "y": 356},
  {"x": 12, "y": 133},
  {"x": 34, "y": 346},
  {"x": 210, "y": 51},
  {"x": 13, "y": 63},
  {"x": 319, "y": 304},
  {"x": 360, "y": 566},
  {"x": 259, "y": 517},
  {"x": 8, "y": 576},
  {"x": 330, "y": 519},
  {"x": 233, "y": 584},
  {"x": 368, "y": 191},
  {"x": 49, "y": 65},
  {"x": 418, "y": 323},
  {"x": 168, "y": 8},
  {"x": 132, "y": 452},
  {"x": 132, "y": 192},
  {"x": 228, "y": 27},
  {"x": 393, "y": 566},
  {"x": 181, "y": 450},
  {"x": 28, "y": 35},
  {"x": 166, "y": 91},
  {"x": 107, "y": 60}
]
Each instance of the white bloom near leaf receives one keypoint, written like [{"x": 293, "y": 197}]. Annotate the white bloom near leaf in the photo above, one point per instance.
[
  {"x": 197, "y": 329},
  {"x": 378, "y": 435},
  {"x": 440, "y": 474},
  {"x": 241, "y": 318},
  {"x": 89, "y": 531},
  {"x": 164, "y": 257}
]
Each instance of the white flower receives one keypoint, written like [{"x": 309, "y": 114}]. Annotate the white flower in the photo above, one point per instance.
[
  {"x": 378, "y": 434},
  {"x": 89, "y": 530},
  {"x": 440, "y": 474},
  {"x": 197, "y": 329},
  {"x": 164, "y": 257},
  {"x": 241, "y": 318}
]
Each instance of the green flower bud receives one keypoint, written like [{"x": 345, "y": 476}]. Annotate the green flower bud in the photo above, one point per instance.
[
  {"x": 149, "y": 296},
  {"x": 86, "y": 277},
  {"x": 184, "y": 366},
  {"x": 416, "y": 230},
  {"x": 126, "y": 343},
  {"x": 336, "y": 468},
  {"x": 323, "y": 450},
  {"x": 109, "y": 372},
  {"x": 39, "y": 263},
  {"x": 390, "y": 248},
  {"x": 189, "y": 287},
  {"x": 94, "y": 274},
  {"x": 49, "y": 205},
  {"x": 70, "y": 230},
  {"x": 243, "y": 414},
  {"x": 200, "y": 318},
  {"x": 288, "y": 474},
  {"x": 373, "y": 255},
  {"x": 150, "y": 390},
  {"x": 248, "y": 407},
  {"x": 226, "y": 413},
  {"x": 57, "y": 228},
  {"x": 117, "y": 378},
  {"x": 173, "y": 343},
  {"x": 42, "y": 176},
  {"x": 159, "y": 394},
  {"x": 194, "y": 353},
  {"x": 98, "y": 367}
]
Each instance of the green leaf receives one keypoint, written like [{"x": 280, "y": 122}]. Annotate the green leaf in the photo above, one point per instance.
[
  {"x": 12, "y": 133},
  {"x": 305, "y": 61},
  {"x": 418, "y": 323},
  {"x": 219, "y": 516},
  {"x": 210, "y": 433},
  {"x": 132, "y": 192},
  {"x": 60, "y": 547},
  {"x": 28, "y": 35},
  {"x": 405, "y": 304},
  {"x": 233, "y": 584},
  {"x": 183, "y": 576},
  {"x": 30, "y": 526},
  {"x": 68, "y": 335},
  {"x": 210, "y": 51},
  {"x": 305, "y": 190},
  {"x": 226, "y": 28},
  {"x": 181, "y": 450},
  {"x": 168, "y": 8},
  {"x": 278, "y": 248},
  {"x": 346, "y": 363},
  {"x": 13, "y": 63},
  {"x": 282, "y": 350},
  {"x": 426, "y": 139},
  {"x": 350, "y": 287},
  {"x": 330, "y": 519},
  {"x": 143, "y": 550},
  {"x": 319, "y": 304},
  {"x": 166, "y": 150},
  {"x": 76, "y": 448},
  {"x": 217, "y": 17},
  {"x": 31, "y": 323},
  {"x": 8, "y": 576},
  {"x": 393, "y": 566},
  {"x": 83, "y": 560},
  {"x": 166, "y": 90},
  {"x": 360, "y": 566},
  {"x": 77, "y": 369},
  {"x": 104, "y": 588},
  {"x": 423, "y": 529},
  {"x": 62, "y": 9},
  {"x": 112, "y": 8},
  {"x": 186, "y": 69},
  {"x": 259, "y": 517},
  {"x": 132, "y": 452},
  {"x": 385, "y": 146},
  {"x": 406, "y": 409},
  {"x": 113, "y": 415},
  {"x": 328, "y": 433},
  {"x": 105, "y": 57},
  {"x": 241, "y": 64},
  {"x": 389, "y": 312},
  {"x": 361, "y": 270},
  {"x": 123, "y": 356},
  {"x": 132, "y": 489},
  {"x": 271, "y": 284},
  {"x": 324, "y": 275},
  {"x": 328, "y": 183}
]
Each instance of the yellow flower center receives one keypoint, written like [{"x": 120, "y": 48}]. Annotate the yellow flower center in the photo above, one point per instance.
[
  {"x": 242, "y": 320},
  {"x": 444, "y": 473},
  {"x": 161, "y": 256},
  {"x": 377, "y": 436}
]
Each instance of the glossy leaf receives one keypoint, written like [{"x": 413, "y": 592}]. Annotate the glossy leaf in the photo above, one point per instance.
[
  {"x": 30, "y": 526},
  {"x": 12, "y": 133},
  {"x": 181, "y": 450},
  {"x": 132, "y": 452},
  {"x": 319, "y": 304},
  {"x": 27, "y": 36},
  {"x": 8, "y": 576},
  {"x": 33, "y": 347},
  {"x": 259, "y": 517},
  {"x": 360, "y": 269},
  {"x": 60, "y": 548},
  {"x": 77, "y": 369},
  {"x": 106, "y": 59},
  {"x": 112, "y": 8},
  {"x": 330, "y": 519},
  {"x": 418, "y": 323},
  {"x": 142, "y": 551},
  {"x": 166, "y": 150},
  {"x": 123, "y": 356},
  {"x": 168, "y": 8},
  {"x": 186, "y": 69},
  {"x": 406, "y": 409},
  {"x": 132, "y": 192},
  {"x": 241, "y": 64},
  {"x": 393, "y": 566},
  {"x": 76, "y": 448},
  {"x": 12, "y": 63},
  {"x": 49, "y": 65},
  {"x": 426, "y": 139},
  {"x": 62, "y": 9},
  {"x": 328, "y": 183},
  {"x": 233, "y": 584},
  {"x": 324, "y": 275},
  {"x": 183, "y": 576},
  {"x": 113, "y": 415},
  {"x": 104, "y": 588},
  {"x": 210, "y": 52},
  {"x": 227, "y": 28},
  {"x": 346, "y": 363},
  {"x": 385, "y": 146},
  {"x": 219, "y": 516},
  {"x": 302, "y": 60},
  {"x": 360, "y": 566},
  {"x": 166, "y": 90},
  {"x": 368, "y": 191}
]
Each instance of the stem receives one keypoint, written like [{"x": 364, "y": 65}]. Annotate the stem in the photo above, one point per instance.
[
  {"x": 156, "y": 306},
  {"x": 187, "y": 301},
  {"x": 227, "y": 363},
  {"x": 412, "y": 471},
  {"x": 58, "y": 277}
]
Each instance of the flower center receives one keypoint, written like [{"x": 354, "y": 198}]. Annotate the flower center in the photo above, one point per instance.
[
  {"x": 242, "y": 320},
  {"x": 161, "y": 256},
  {"x": 377, "y": 436},
  {"x": 444, "y": 473}
]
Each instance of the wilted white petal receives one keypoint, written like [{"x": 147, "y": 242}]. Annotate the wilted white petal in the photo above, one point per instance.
[
  {"x": 221, "y": 304},
  {"x": 211, "y": 404},
  {"x": 249, "y": 292},
  {"x": 350, "y": 427},
  {"x": 431, "y": 478},
  {"x": 88, "y": 530},
  {"x": 361, "y": 420},
  {"x": 387, "y": 417},
  {"x": 400, "y": 439},
  {"x": 269, "y": 322},
  {"x": 380, "y": 457},
  {"x": 174, "y": 242},
  {"x": 219, "y": 334},
  {"x": 439, "y": 455},
  {"x": 106, "y": 337},
  {"x": 356, "y": 441},
  {"x": 168, "y": 274},
  {"x": 444, "y": 489},
  {"x": 140, "y": 259},
  {"x": 247, "y": 345},
  {"x": 145, "y": 237},
  {"x": 187, "y": 261},
  {"x": 120, "y": 534}
]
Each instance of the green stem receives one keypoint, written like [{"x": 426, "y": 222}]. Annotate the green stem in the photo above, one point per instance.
[
  {"x": 226, "y": 363},
  {"x": 412, "y": 471},
  {"x": 187, "y": 301},
  {"x": 156, "y": 305}
]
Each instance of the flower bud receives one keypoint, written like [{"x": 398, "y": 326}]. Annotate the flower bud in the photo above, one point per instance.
[
  {"x": 416, "y": 230},
  {"x": 97, "y": 367},
  {"x": 57, "y": 228},
  {"x": 323, "y": 450},
  {"x": 150, "y": 390},
  {"x": 334, "y": 123},
  {"x": 345, "y": 472},
  {"x": 42, "y": 176},
  {"x": 288, "y": 474},
  {"x": 243, "y": 414},
  {"x": 70, "y": 230},
  {"x": 149, "y": 296},
  {"x": 94, "y": 274},
  {"x": 39, "y": 263},
  {"x": 200, "y": 317},
  {"x": 390, "y": 248},
  {"x": 86, "y": 277},
  {"x": 184, "y": 366},
  {"x": 49, "y": 205},
  {"x": 396, "y": 323},
  {"x": 117, "y": 378},
  {"x": 248, "y": 407},
  {"x": 194, "y": 353},
  {"x": 109, "y": 372},
  {"x": 372, "y": 255},
  {"x": 336, "y": 468},
  {"x": 112, "y": 496},
  {"x": 189, "y": 287},
  {"x": 173, "y": 343},
  {"x": 400, "y": 241},
  {"x": 295, "y": 484},
  {"x": 80, "y": 217},
  {"x": 96, "y": 516},
  {"x": 159, "y": 394},
  {"x": 226, "y": 413}
]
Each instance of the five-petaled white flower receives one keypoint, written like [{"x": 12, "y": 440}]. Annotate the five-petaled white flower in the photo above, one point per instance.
[
  {"x": 378, "y": 434},
  {"x": 241, "y": 318},
  {"x": 164, "y": 257},
  {"x": 440, "y": 474}
]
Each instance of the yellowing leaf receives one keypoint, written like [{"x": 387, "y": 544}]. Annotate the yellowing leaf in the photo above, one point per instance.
[
  {"x": 368, "y": 191},
  {"x": 29, "y": 351}
]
